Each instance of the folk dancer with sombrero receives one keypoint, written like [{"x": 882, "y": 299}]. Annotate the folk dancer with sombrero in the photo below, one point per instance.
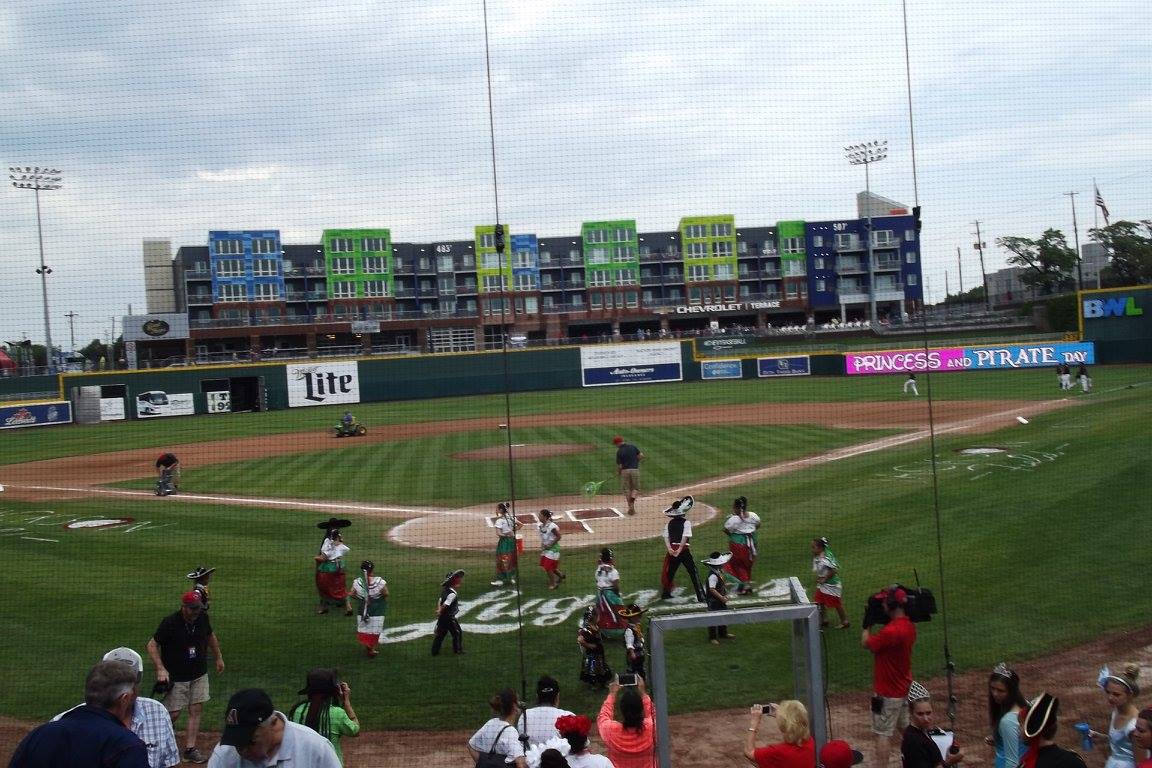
[
  {"x": 594, "y": 669},
  {"x": 446, "y": 610},
  {"x": 633, "y": 638},
  {"x": 716, "y": 592},
  {"x": 507, "y": 559},
  {"x": 608, "y": 600},
  {"x": 741, "y": 528},
  {"x": 200, "y": 578},
  {"x": 677, "y": 539},
  {"x": 550, "y": 549},
  {"x": 372, "y": 593},
  {"x": 330, "y": 566}
]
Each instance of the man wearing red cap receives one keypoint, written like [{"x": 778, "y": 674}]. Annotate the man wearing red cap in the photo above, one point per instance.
[
  {"x": 628, "y": 467},
  {"x": 891, "y": 649},
  {"x": 178, "y": 651}
]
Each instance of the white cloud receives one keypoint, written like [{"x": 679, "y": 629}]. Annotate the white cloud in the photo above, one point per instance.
[{"x": 260, "y": 173}]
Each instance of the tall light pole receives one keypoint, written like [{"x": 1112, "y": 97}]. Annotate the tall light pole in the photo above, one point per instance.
[
  {"x": 37, "y": 179},
  {"x": 865, "y": 155}
]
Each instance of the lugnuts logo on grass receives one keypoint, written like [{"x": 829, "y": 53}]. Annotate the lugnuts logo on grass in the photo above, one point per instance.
[{"x": 322, "y": 384}]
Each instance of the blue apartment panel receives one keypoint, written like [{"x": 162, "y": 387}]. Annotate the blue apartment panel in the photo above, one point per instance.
[
  {"x": 525, "y": 262},
  {"x": 819, "y": 244},
  {"x": 247, "y": 266}
]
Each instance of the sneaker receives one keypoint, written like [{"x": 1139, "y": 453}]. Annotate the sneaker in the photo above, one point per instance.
[
  {"x": 714, "y": 642},
  {"x": 512, "y": 581},
  {"x": 497, "y": 582},
  {"x": 193, "y": 755}
]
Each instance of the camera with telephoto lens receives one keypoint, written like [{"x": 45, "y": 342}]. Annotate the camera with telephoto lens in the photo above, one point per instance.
[{"x": 919, "y": 604}]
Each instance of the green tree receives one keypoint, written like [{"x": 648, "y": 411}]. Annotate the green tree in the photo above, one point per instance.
[
  {"x": 93, "y": 351},
  {"x": 1130, "y": 245},
  {"x": 1048, "y": 261}
]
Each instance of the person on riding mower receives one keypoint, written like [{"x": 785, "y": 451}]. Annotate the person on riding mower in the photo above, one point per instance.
[{"x": 348, "y": 421}]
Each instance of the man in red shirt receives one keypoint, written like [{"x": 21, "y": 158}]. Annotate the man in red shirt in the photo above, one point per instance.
[{"x": 891, "y": 649}]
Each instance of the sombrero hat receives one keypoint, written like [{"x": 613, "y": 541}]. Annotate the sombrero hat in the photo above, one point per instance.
[
  {"x": 716, "y": 559},
  {"x": 334, "y": 522},
  {"x": 681, "y": 507},
  {"x": 200, "y": 573},
  {"x": 630, "y": 611},
  {"x": 451, "y": 576}
]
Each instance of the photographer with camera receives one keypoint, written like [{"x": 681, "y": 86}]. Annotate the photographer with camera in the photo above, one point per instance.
[
  {"x": 891, "y": 650},
  {"x": 796, "y": 751},
  {"x": 327, "y": 708}
]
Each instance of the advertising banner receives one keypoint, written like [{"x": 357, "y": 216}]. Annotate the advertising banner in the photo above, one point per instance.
[
  {"x": 797, "y": 365},
  {"x": 721, "y": 369},
  {"x": 365, "y": 326},
  {"x": 112, "y": 409},
  {"x": 150, "y": 405},
  {"x": 172, "y": 325},
  {"x": 323, "y": 384},
  {"x": 721, "y": 345},
  {"x": 969, "y": 358},
  {"x": 611, "y": 364},
  {"x": 37, "y": 415},
  {"x": 219, "y": 402}
]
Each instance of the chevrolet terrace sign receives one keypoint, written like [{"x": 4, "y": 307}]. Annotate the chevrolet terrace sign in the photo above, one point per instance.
[{"x": 739, "y": 306}]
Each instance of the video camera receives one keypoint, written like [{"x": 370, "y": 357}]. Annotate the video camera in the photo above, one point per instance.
[{"x": 919, "y": 604}]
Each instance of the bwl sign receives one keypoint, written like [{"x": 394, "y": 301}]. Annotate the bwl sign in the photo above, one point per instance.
[
  {"x": 738, "y": 306},
  {"x": 322, "y": 384}
]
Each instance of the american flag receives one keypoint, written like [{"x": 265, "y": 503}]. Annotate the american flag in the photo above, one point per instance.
[{"x": 1100, "y": 204}]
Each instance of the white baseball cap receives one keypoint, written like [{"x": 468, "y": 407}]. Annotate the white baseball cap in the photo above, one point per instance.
[{"x": 126, "y": 656}]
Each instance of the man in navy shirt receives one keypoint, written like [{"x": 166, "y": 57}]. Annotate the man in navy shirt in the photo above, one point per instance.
[
  {"x": 628, "y": 467},
  {"x": 95, "y": 735}
]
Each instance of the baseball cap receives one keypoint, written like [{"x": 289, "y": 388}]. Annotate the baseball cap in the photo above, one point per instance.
[
  {"x": 617, "y": 440},
  {"x": 126, "y": 656},
  {"x": 839, "y": 754},
  {"x": 191, "y": 600},
  {"x": 247, "y": 710}
]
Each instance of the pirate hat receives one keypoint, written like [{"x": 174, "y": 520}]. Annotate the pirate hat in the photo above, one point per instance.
[
  {"x": 452, "y": 576},
  {"x": 715, "y": 560},
  {"x": 629, "y": 611},
  {"x": 1042, "y": 711},
  {"x": 680, "y": 508},
  {"x": 334, "y": 522},
  {"x": 200, "y": 573}
]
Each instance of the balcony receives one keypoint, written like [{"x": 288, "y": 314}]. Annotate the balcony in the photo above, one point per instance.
[
  {"x": 887, "y": 265},
  {"x": 197, "y": 274},
  {"x": 199, "y": 298},
  {"x": 849, "y": 246},
  {"x": 849, "y": 267},
  {"x": 889, "y": 293}
]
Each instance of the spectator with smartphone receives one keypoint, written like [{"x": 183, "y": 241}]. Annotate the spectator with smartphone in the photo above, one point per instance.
[
  {"x": 327, "y": 708},
  {"x": 631, "y": 740},
  {"x": 797, "y": 750}
]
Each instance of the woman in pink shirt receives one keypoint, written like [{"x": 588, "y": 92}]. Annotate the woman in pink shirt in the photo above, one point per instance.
[{"x": 631, "y": 741}]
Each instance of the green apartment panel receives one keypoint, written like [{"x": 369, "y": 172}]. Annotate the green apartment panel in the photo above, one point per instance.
[
  {"x": 493, "y": 271},
  {"x": 358, "y": 263},
  {"x": 708, "y": 247},
  {"x": 611, "y": 252},
  {"x": 790, "y": 235}
]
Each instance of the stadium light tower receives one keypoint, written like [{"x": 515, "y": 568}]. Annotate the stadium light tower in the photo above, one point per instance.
[
  {"x": 40, "y": 179},
  {"x": 865, "y": 155}
]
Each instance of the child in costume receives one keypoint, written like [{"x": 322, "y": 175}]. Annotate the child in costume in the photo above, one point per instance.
[
  {"x": 446, "y": 610},
  {"x": 372, "y": 592},
  {"x": 594, "y": 669},
  {"x": 633, "y": 639}
]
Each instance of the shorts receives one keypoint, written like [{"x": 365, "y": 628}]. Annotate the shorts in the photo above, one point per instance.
[
  {"x": 893, "y": 715},
  {"x": 630, "y": 479},
  {"x": 828, "y": 601},
  {"x": 183, "y": 695},
  {"x": 549, "y": 564}
]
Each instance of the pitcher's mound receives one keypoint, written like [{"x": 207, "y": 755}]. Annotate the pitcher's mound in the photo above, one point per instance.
[{"x": 524, "y": 451}]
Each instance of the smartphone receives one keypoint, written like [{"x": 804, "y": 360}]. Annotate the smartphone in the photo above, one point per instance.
[{"x": 628, "y": 678}]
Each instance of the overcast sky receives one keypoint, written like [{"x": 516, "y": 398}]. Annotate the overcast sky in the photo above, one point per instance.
[{"x": 171, "y": 119}]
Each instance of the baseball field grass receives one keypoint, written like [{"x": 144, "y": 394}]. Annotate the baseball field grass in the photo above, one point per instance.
[{"x": 1037, "y": 546}]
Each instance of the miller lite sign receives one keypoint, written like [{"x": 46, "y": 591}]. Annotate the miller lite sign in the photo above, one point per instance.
[{"x": 322, "y": 384}]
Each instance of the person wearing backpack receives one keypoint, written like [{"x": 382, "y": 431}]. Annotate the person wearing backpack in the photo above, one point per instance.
[{"x": 497, "y": 743}]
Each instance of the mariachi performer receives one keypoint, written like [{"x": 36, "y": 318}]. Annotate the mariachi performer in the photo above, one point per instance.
[
  {"x": 507, "y": 559},
  {"x": 446, "y": 610},
  {"x": 633, "y": 638},
  {"x": 372, "y": 592},
  {"x": 594, "y": 668},
  {"x": 608, "y": 600},
  {"x": 330, "y": 566},
  {"x": 741, "y": 528},
  {"x": 717, "y": 592},
  {"x": 200, "y": 578},
  {"x": 677, "y": 539}
]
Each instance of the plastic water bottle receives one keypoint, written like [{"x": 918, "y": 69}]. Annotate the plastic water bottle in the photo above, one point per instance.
[{"x": 1086, "y": 743}]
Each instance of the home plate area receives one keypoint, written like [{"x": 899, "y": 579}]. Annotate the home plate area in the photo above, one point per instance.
[{"x": 582, "y": 522}]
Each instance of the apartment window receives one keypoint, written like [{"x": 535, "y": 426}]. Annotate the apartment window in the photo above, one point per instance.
[
  {"x": 545, "y": 257},
  {"x": 599, "y": 277},
  {"x": 722, "y": 249},
  {"x": 721, "y": 229},
  {"x": 233, "y": 293},
  {"x": 909, "y": 235},
  {"x": 263, "y": 245},
  {"x": 531, "y": 305},
  {"x": 791, "y": 290},
  {"x": 524, "y": 282},
  {"x": 596, "y": 236},
  {"x": 624, "y": 235},
  {"x": 398, "y": 264},
  {"x": 267, "y": 292},
  {"x": 697, "y": 272},
  {"x": 574, "y": 255},
  {"x": 375, "y": 288},
  {"x": 695, "y": 296},
  {"x": 576, "y": 301},
  {"x": 882, "y": 238},
  {"x": 675, "y": 294},
  {"x": 597, "y": 255},
  {"x": 696, "y": 250},
  {"x": 742, "y": 247},
  {"x": 340, "y": 245},
  {"x": 817, "y": 241},
  {"x": 624, "y": 254},
  {"x": 522, "y": 259},
  {"x": 343, "y": 289},
  {"x": 265, "y": 267},
  {"x": 230, "y": 268},
  {"x": 695, "y": 231},
  {"x": 793, "y": 245},
  {"x": 723, "y": 271},
  {"x": 493, "y": 283},
  {"x": 794, "y": 268},
  {"x": 624, "y": 277},
  {"x": 910, "y": 258},
  {"x": 229, "y": 247},
  {"x": 847, "y": 241},
  {"x": 494, "y": 307},
  {"x": 374, "y": 244},
  {"x": 488, "y": 241},
  {"x": 444, "y": 264},
  {"x": 818, "y": 262},
  {"x": 631, "y": 299},
  {"x": 912, "y": 279},
  {"x": 343, "y": 266},
  {"x": 424, "y": 264},
  {"x": 490, "y": 261},
  {"x": 821, "y": 284},
  {"x": 375, "y": 265},
  {"x": 729, "y": 293}
]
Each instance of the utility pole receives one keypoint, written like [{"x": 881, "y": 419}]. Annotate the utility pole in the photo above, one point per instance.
[
  {"x": 960, "y": 269},
  {"x": 980, "y": 245},
  {"x": 71, "y": 328},
  {"x": 1076, "y": 234}
]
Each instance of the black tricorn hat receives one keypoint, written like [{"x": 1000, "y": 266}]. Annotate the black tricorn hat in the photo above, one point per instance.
[
  {"x": 334, "y": 522},
  {"x": 1043, "y": 711}
]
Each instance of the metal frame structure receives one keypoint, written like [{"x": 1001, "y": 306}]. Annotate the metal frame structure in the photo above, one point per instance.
[{"x": 807, "y": 657}]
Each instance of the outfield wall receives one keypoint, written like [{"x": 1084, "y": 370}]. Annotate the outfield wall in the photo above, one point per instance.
[{"x": 1119, "y": 322}]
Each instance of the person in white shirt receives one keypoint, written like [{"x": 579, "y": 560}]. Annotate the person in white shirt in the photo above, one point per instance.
[
  {"x": 741, "y": 527},
  {"x": 498, "y": 736},
  {"x": 574, "y": 729},
  {"x": 550, "y": 549},
  {"x": 256, "y": 734},
  {"x": 330, "y": 567},
  {"x": 538, "y": 723}
]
